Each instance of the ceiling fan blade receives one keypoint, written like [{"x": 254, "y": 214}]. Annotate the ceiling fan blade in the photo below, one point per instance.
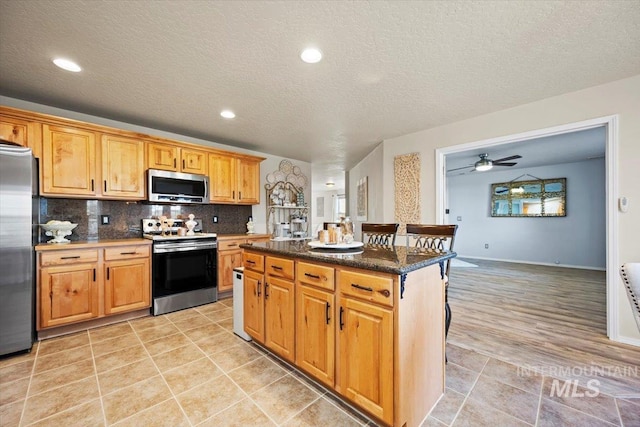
[
  {"x": 517, "y": 156},
  {"x": 505, "y": 164},
  {"x": 457, "y": 169}
]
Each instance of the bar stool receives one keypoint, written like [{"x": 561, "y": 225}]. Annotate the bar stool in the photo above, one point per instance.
[
  {"x": 379, "y": 234},
  {"x": 436, "y": 238}
]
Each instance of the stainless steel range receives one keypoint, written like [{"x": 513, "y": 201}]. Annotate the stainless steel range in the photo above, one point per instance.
[{"x": 184, "y": 272}]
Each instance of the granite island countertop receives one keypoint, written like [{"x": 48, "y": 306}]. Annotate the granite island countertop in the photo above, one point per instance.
[{"x": 395, "y": 260}]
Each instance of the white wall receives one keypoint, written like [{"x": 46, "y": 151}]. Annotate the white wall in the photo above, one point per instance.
[
  {"x": 269, "y": 165},
  {"x": 371, "y": 167},
  {"x": 620, "y": 98},
  {"x": 329, "y": 200},
  {"x": 549, "y": 240}
]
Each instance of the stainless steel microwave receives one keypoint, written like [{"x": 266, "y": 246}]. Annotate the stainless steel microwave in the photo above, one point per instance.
[{"x": 176, "y": 187}]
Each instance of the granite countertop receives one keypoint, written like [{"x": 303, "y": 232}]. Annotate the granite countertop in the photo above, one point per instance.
[
  {"x": 80, "y": 244},
  {"x": 395, "y": 260}
]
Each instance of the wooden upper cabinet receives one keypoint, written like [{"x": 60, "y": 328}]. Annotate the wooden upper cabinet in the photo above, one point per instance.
[
  {"x": 194, "y": 161},
  {"x": 248, "y": 182},
  {"x": 68, "y": 161},
  {"x": 122, "y": 167},
  {"x": 234, "y": 180},
  {"x": 162, "y": 156},
  {"x": 222, "y": 178},
  {"x": 20, "y": 131},
  {"x": 177, "y": 159}
]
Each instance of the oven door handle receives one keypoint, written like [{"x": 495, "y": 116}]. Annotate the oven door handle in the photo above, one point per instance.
[{"x": 181, "y": 248}]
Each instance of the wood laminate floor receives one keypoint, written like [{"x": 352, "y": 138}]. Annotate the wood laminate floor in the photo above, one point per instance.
[{"x": 522, "y": 332}]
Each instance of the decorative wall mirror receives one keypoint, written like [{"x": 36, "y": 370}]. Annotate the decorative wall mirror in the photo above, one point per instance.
[{"x": 539, "y": 197}]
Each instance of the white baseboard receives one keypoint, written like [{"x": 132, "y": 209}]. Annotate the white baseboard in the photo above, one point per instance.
[
  {"x": 631, "y": 341},
  {"x": 517, "y": 261}
]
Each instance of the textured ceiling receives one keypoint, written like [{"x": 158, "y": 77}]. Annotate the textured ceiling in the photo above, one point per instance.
[{"x": 390, "y": 68}]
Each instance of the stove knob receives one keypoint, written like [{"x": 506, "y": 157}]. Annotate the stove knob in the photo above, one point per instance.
[{"x": 158, "y": 224}]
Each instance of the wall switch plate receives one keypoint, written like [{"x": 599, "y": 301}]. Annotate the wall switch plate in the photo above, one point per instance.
[
  {"x": 486, "y": 246},
  {"x": 459, "y": 218},
  {"x": 105, "y": 219},
  {"x": 215, "y": 219},
  {"x": 623, "y": 204}
]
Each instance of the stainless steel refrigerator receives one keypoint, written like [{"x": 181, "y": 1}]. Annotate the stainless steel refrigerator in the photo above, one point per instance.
[{"x": 18, "y": 226}]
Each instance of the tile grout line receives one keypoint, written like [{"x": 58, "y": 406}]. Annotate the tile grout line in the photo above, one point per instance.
[
  {"x": 225, "y": 374},
  {"x": 33, "y": 370},
  {"x": 95, "y": 372},
  {"x": 466, "y": 397},
  {"x": 160, "y": 372}
]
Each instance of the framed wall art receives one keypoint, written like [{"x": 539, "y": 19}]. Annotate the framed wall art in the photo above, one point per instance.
[{"x": 361, "y": 207}]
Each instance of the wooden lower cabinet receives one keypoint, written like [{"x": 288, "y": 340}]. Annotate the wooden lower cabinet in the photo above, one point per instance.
[
  {"x": 68, "y": 293},
  {"x": 254, "y": 305},
  {"x": 376, "y": 343},
  {"x": 366, "y": 357},
  {"x": 126, "y": 285},
  {"x": 315, "y": 333},
  {"x": 279, "y": 310},
  {"x": 75, "y": 285},
  {"x": 230, "y": 257}
]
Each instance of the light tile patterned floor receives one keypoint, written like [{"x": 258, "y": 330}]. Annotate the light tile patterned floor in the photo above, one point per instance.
[{"x": 187, "y": 369}]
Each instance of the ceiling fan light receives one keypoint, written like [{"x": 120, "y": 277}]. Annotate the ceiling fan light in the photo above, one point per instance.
[{"x": 483, "y": 165}]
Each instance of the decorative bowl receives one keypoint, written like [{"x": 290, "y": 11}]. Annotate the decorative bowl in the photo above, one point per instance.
[{"x": 59, "y": 230}]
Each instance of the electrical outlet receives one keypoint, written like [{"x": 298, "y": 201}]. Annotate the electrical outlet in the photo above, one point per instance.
[
  {"x": 486, "y": 246},
  {"x": 104, "y": 219},
  {"x": 215, "y": 219},
  {"x": 459, "y": 218}
]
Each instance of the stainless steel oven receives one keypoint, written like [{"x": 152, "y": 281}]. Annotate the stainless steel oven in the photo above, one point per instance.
[{"x": 184, "y": 272}]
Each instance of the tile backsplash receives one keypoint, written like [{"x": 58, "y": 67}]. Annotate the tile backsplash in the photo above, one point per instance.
[{"x": 124, "y": 217}]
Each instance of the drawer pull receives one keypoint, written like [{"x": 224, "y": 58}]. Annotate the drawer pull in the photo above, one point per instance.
[
  {"x": 385, "y": 293},
  {"x": 250, "y": 262},
  {"x": 275, "y": 267},
  {"x": 313, "y": 276},
  {"x": 128, "y": 253},
  {"x": 70, "y": 257},
  {"x": 341, "y": 322},
  {"x": 364, "y": 288},
  {"x": 94, "y": 274},
  {"x": 107, "y": 273},
  {"x": 233, "y": 244},
  {"x": 259, "y": 286},
  {"x": 266, "y": 290}
]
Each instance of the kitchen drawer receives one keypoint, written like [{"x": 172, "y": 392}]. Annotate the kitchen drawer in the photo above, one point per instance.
[
  {"x": 280, "y": 267},
  {"x": 369, "y": 287},
  {"x": 316, "y": 275},
  {"x": 64, "y": 257},
  {"x": 230, "y": 244},
  {"x": 126, "y": 252},
  {"x": 253, "y": 262}
]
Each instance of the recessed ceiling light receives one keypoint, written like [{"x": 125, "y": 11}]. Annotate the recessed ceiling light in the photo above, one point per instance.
[
  {"x": 311, "y": 55},
  {"x": 227, "y": 114},
  {"x": 68, "y": 65},
  {"x": 330, "y": 184}
]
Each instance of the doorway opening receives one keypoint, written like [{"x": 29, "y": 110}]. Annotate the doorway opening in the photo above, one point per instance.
[{"x": 611, "y": 125}]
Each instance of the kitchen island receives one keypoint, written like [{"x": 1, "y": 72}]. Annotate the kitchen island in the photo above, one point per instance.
[{"x": 367, "y": 323}]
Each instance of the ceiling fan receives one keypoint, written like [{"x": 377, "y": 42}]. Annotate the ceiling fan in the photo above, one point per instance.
[{"x": 485, "y": 163}]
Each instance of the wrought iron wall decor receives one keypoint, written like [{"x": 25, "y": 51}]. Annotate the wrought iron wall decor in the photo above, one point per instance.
[{"x": 534, "y": 198}]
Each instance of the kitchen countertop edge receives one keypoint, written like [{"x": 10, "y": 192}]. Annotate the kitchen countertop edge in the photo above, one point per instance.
[
  {"x": 400, "y": 260},
  {"x": 86, "y": 244}
]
